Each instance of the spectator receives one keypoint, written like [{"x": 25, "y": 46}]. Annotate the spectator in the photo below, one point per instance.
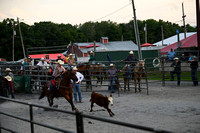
[
  {"x": 130, "y": 60},
  {"x": 66, "y": 59},
  {"x": 59, "y": 58},
  {"x": 171, "y": 54},
  {"x": 92, "y": 59},
  {"x": 176, "y": 64},
  {"x": 10, "y": 78},
  {"x": 194, "y": 66},
  {"x": 43, "y": 64},
  {"x": 112, "y": 76},
  {"x": 190, "y": 57},
  {"x": 76, "y": 86},
  {"x": 59, "y": 69},
  {"x": 25, "y": 66},
  {"x": 182, "y": 58},
  {"x": 47, "y": 59},
  {"x": 71, "y": 60}
]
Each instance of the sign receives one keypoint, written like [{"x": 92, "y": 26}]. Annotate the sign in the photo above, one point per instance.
[{"x": 177, "y": 31}]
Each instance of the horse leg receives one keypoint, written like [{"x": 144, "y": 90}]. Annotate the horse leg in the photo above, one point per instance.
[
  {"x": 124, "y": 84},
  {"x": 135, "y": 80},
  {"x": 128, "y": 85},
  {"x": 139, "y": 80}
]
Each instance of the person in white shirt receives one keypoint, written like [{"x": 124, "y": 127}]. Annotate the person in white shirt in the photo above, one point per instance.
[
  {"x": 76, "y": 86},
  {"x": 43, "y": 64}
]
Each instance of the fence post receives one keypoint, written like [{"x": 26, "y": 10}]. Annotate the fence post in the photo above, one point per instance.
[
  {"x": 31, "y": 117},
  {"x": 163, "y": 71},
  {"x": 79, "y": 123}
]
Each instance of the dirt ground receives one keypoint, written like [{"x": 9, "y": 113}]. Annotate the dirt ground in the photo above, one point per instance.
[{"x": 170, "y": 107}]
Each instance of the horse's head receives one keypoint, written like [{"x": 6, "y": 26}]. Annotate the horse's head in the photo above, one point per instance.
[{"x": 69, "y": 74}]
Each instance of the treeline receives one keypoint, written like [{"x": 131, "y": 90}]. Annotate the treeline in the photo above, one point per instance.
[{"x": 45, "y": 34}]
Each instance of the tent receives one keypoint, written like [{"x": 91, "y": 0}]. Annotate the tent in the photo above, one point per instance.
[
  {"x": 146, "y": 45},
  {"x": 51, "y": 56},
  {"x": 190, "y": 41}
]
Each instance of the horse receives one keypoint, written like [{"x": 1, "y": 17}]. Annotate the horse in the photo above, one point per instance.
[
  {"x": 139, "y": 73},
  {"x": 84, "y": 69},
  {"x": 135, "y": 73},
  {"x": 98, "y": 71},
  {"x": 63, "y": 90}
]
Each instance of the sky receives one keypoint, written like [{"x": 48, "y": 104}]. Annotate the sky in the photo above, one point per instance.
[{"x": 77, "y": 12}]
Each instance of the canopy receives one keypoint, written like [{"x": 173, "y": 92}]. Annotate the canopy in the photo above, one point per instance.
[
  {"x": 146, "y": 45},
  {"x": 190, "y": 41},
  {"x": 51, "y": 56}
]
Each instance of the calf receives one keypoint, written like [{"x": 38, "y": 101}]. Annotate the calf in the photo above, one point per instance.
[{"x": 102, "y": 101}]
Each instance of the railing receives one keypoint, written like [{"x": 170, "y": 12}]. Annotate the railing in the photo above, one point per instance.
[{"x": 79, "y": 120}]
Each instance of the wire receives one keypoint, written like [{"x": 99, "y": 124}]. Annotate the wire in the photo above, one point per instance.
[{"x": 113, "y": 12}]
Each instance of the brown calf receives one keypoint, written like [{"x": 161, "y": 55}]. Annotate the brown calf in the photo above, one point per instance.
[{"x": 102, "y": 101}]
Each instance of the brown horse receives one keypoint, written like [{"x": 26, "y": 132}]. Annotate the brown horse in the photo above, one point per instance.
[
  {"x": 139, "y": 73},
  {"x": 84, "y": 69},
  {"x": 136, "y": 73},
  {"x": 64, "y": 89}
]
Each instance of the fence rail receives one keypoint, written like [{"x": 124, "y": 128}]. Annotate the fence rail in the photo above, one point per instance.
[{"x": 79, "y": 120}]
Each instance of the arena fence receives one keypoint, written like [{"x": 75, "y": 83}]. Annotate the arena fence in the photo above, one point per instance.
[{"x": 79, "y": 120}]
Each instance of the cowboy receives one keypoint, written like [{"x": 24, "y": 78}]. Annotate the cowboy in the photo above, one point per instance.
[
  {"x": 71, "y": 60},
  {"x": 130, "y": 61},
  {"x": 59, "y": 58},
  {"x": 59, "y": 69},
  {"x": 43, "y": 64},
  {"x": 112, "y": 75},
  {"x": 76, "y": 86},
  {"x": 10, "y": 78},
  {"x": 92, "y": 59},
  {"x": 176, "y": 64},
  {"x": 47, "y": 59}
]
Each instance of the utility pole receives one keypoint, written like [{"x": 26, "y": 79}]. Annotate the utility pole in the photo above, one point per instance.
[
  {"x": 137, "y": 33},
  {"x": 21, "y": 37},
  {"x": 162, "y": 34},
  {"x": 184, "y": 21},
  {"x": 145, "y": 33},
  {"x": 13, "y": 40},
  {"x": 198, "y": 22}
]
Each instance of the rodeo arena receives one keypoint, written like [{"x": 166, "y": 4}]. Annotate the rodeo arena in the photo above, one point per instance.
[{"x": 119, "y": 89}]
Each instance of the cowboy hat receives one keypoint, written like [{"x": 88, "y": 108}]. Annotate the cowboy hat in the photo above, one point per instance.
[
  {"x": 42, "y": 58},
  {"x": 111, "y": 65},
  {"x": 176, "y": 58},
  {"x": 131, "y": 52},
  {"x": 75, "y": 68},
  {"x": 8, "y": 78},
  {"x": 91, "y": 52},
  {"x": 60, "y": 62},
  {"x": 70, "y": 54},
  {"x": 8, "y": 69},
  {"x": 59, "y": 55}
]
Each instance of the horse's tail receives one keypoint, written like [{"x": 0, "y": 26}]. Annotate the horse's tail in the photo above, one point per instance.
[{"x": 42, "y": 95}]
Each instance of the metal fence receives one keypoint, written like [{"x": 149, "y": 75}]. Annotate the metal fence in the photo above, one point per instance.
[{"x": 79, "y": 120}]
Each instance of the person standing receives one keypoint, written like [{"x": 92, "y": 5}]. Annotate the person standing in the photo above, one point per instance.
[
  {"x": 59, "y": 58},
  {"x": 112, "y": 76},
  {"x": 194, "y": 66},
  {"x": 176, "y": 64},
  {"x": 47, "y": 59},
  {"x": 10, "y": 79},
  {"x": 171, "y": 55},
  {"x": 92, "y": 59},
  {"x": 76, "y": 86}
]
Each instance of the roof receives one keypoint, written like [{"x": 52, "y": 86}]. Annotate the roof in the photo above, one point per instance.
[
  {"x": 190, "y": 41},
  {"x": 111, "y": 46},
  {"x": 51, "y": 56},
  {"x": 173, "y": 39}
]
